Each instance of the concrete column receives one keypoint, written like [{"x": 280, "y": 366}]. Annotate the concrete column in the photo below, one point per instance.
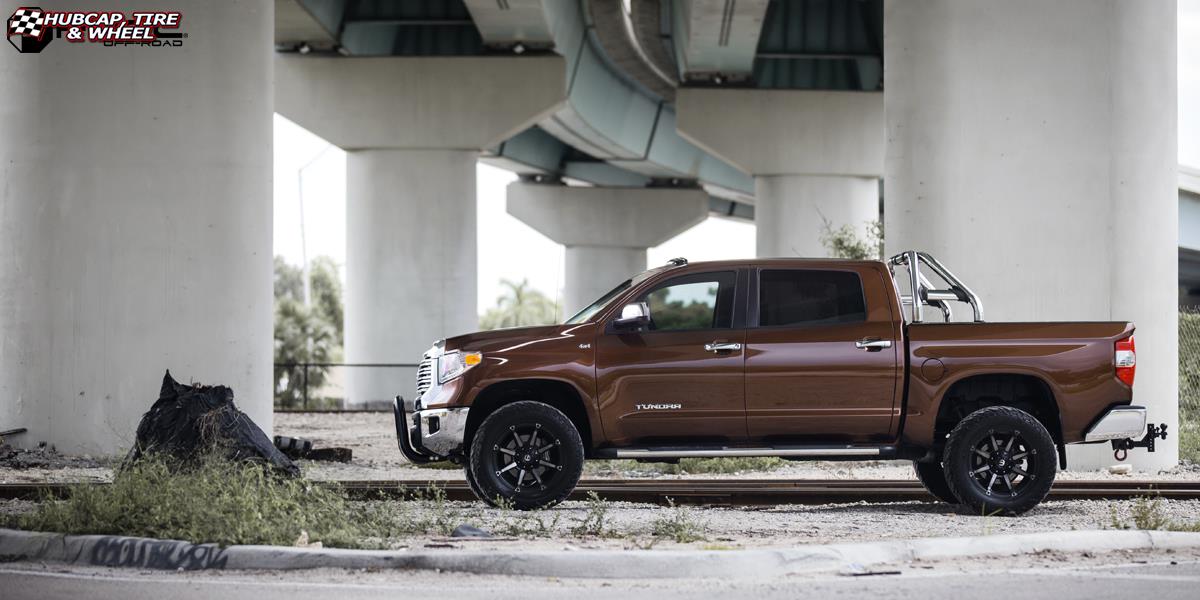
[
  {"x": 815, "y": 157},
  {"x": 791, "y": 211},
  {"x": 410, "y": 260},
  {"x": 1041, "y": 169},
  {"x": 606, "y": 231},
  {"x": 135, "y": 225}
]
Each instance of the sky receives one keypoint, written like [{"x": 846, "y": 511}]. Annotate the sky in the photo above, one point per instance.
[{"x": 509, "y": 249}]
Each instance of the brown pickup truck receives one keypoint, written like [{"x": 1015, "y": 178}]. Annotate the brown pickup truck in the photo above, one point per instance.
[{"x": 797, "y": 358}]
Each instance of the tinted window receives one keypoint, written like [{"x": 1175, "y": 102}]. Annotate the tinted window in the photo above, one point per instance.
[
  {"x": 810, "y": 297},
  {"x": 700, "y": 301}
]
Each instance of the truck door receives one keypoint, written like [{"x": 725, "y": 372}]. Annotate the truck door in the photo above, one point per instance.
[
  {"x": 682, "y": 375},
  {"x": 822, "y": 356}
]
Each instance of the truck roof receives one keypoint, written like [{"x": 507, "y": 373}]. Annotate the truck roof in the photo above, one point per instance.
[{"x": 779, "y": 261}]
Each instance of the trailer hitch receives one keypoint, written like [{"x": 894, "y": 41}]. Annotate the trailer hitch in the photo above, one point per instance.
[{"x": 1153, "y": 432}]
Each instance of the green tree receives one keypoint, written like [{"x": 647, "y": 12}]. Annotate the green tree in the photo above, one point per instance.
[
  {"x": 844, "y": 242},
  {"x": 519, "y": 306},
  {"x": 306, "y": 334}
]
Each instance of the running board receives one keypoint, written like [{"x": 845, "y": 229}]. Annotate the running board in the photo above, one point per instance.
[{"x": 785, "y": 452}]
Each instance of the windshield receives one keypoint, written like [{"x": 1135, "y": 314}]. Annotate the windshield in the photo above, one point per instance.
[{"x": 599, "y": 305}]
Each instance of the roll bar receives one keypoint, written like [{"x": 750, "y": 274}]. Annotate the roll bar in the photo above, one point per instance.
[{"x": 958, "y": 291}]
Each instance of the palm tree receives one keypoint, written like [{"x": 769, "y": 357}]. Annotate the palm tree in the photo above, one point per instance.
[{"x": 519, "y": 306}]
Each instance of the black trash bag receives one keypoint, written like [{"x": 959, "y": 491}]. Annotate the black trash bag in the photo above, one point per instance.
[{"x": 189, "y": 420}]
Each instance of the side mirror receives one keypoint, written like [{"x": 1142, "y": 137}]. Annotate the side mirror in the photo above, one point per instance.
[{"x": 633, "y": 315}]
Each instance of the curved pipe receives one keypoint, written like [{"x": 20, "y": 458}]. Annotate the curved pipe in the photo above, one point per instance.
[{"x": 607, "y": 116}]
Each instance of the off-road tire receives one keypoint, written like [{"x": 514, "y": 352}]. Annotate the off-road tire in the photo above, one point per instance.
[
  {"x": 474, "y": 485},
  {"x": 933, "y": 477},
  {"x": 1032, "y": 457},
  {"x": 493, "y": 471}
]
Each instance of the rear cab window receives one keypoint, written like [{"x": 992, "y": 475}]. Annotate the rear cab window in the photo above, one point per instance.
[{"x": 805, "y": 297}]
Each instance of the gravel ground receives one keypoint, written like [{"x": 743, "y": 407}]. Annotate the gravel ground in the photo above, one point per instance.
[{"x": 372, "y": 437}]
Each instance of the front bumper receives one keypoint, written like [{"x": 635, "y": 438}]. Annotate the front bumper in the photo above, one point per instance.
[
  {"x": 1119, "y": 423},
  {"x": 431, "y": 434}
]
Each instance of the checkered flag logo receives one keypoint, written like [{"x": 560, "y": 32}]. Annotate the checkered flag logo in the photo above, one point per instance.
[{"x": 26, "y": 21}]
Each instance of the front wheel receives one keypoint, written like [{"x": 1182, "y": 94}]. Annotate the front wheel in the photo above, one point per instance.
[
  {"x": 1000, "y": 460},
  {"x": 527, "y": 453}
]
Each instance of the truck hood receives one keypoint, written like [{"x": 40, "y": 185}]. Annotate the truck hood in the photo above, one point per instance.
[{"x": 504, "y": 340}]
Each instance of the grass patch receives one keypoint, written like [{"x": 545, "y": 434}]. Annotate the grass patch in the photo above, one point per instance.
[
  {"x": 679, "y": 525},
  {"x": 1147, "y": 513},
  {"x": 694, "y": 466},
  {"x": 595, "y": 521},
  {"x": 215, "y": 501}
]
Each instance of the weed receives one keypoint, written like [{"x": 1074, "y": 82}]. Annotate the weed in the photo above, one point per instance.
[
  {"x": 595, "y": 520},
  {"x": 679, "y": 525},
  {"x": 216, "y": 501},
  {"x": 1147, "y": 513}
]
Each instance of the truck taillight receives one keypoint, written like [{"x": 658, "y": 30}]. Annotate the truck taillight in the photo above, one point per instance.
[{"x": 1125, "y": 360}]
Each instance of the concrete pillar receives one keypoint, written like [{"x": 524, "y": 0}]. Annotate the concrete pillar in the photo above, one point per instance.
[
  {"x": 792, "y": 211},
  {"x": 815, "y": 157},
  {"x": 410, "y": 260},
  {"x": 1041, "y": 169},
  {"x": 412, "y": 128},
  {"x": 135, "y": 225},
  {"x": 606, "y": 231}
]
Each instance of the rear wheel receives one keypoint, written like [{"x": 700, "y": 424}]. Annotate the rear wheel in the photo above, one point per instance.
[
  {"x": 1000, "y": 460},
  {"x": 528, "y": 453},
  {"x": 933, "y": 477}
]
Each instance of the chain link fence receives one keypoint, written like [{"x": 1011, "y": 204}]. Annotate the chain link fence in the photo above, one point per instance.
[
  {"x": 322, "y": 386},
  {"x": 1189, "y": 383}
]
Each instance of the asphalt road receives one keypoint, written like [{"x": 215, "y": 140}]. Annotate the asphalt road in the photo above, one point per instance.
[{"x": 1152, "y": 576}]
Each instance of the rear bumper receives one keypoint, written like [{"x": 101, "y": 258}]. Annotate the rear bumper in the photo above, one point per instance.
[
  {"x": 1122, "y": 422},
  {"x": 429, "y": 435}
]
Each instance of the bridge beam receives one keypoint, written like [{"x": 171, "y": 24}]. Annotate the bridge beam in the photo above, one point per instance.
[
  {"x": 606, "y": 231},
  {"x": 816, "y": 157},
  {"x": 1041, "y": 169}
]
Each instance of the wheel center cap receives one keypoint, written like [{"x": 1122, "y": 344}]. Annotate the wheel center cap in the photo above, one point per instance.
[{"x": 528, "y": 458}]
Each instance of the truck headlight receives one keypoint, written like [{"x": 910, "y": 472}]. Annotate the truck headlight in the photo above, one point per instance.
[{"x": 454, "y": 364}]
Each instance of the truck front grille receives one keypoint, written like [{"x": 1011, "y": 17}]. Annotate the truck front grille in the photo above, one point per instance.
[{"x": 424, "y": 376}]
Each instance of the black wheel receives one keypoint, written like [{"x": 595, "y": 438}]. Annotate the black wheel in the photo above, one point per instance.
[
  {"x": 933, "y": 477},
  {"x": 1000, "y": 460},
  {"x": 474, "y": 485},
  {"x": 528, "y": 453}
]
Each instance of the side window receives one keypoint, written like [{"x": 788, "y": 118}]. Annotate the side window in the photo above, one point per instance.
[
  {"x": 700, "y": 301},
  {"x": 799, "y": 297}
]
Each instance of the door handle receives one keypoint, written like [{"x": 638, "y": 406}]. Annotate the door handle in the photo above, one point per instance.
[
  {"x": 722, "y": 346},
  {"x": 871, "y": 344}
]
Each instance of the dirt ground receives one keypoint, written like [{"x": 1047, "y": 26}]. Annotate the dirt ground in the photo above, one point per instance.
[{"x": 372, "y": 437}]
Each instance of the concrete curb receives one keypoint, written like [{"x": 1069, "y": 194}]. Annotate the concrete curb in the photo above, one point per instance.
[{"x": 119, "y": 551}]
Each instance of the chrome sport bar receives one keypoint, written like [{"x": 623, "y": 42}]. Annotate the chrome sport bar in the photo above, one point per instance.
[{"x": 958, "y": 291}]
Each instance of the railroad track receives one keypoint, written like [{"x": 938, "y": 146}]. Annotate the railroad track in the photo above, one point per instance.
[{"x": 715, "y": 491}]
